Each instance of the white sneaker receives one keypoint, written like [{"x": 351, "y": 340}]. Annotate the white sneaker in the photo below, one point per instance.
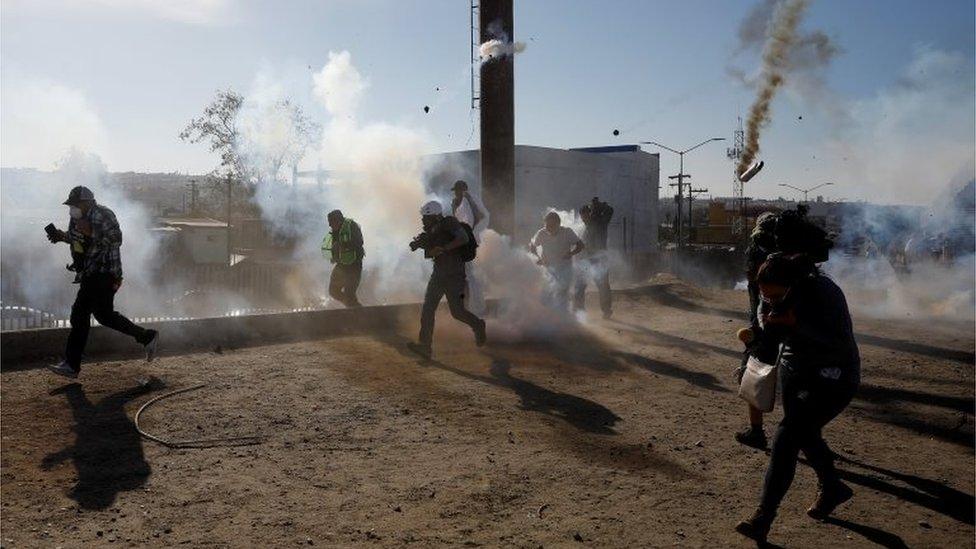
[
  {"x": 151, "y": 346},
  {"x": 63, "y": 369}
]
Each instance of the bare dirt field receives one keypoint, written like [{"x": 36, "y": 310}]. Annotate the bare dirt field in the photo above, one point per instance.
[{"x": 617, "y": 435}]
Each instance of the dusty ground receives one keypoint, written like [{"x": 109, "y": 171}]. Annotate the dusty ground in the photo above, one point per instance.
[{"x": 619, "y": 435}]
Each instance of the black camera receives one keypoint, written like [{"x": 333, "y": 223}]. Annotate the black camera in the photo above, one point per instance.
[{"x": 421, "y": 241}]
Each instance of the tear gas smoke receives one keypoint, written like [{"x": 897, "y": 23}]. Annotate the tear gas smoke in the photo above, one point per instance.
[
  {"x": 496, "y": 48},
  {"x": 499, "y": 45},
  {"x": 775, "y": 67},
  {"x": 377, "y": 176},
  {"x": 34, "y": 273},
  {"x": 806, "y": 61},
  {"x": 915, "y": 265}
]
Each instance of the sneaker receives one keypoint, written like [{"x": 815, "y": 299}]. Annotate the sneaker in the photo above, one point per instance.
[
  {"x": 480, "y": 335},
  {"x": 756, "y": 527},
  {"x": 828, "y": 499},
  {"x": 151, "y": 345},
  {"x": 63, "y": 369},
  {"x": 752, "y": 436},
  {"x": 423, "y": 350}
]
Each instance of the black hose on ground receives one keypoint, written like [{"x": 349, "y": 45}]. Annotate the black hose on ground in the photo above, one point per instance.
[{"x": 196, "y": 443}]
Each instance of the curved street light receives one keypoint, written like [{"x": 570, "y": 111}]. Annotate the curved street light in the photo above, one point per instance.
[
  {"x": 805, "y": 192},
  {"x": 681, "y": 179}
]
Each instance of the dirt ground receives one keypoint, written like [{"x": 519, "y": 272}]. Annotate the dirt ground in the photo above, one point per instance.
[{"x": 618, "y": 435}]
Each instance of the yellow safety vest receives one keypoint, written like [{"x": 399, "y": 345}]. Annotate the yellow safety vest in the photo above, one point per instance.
[{"x": 347, "y": 255}]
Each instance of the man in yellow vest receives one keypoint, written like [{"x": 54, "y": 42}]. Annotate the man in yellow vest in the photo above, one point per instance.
[{"x": 343, "y": 246}]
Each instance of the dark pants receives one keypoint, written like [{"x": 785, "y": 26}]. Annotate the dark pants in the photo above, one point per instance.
[
  {"x": 595, "y": 269},
  {"x": 344, "y": 282},
  {"x": 96, "y": 296},
  {"x": 452, "y": 287},
  {"x": 807, "y": 407}
]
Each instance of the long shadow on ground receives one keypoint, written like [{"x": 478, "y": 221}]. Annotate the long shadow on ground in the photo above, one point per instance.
[
  {"x": 107, "y": 452},
  {"x": 882, "y": 395},
  {"x": 581, "y": 413},
  {"x": 870, "y": 533},
  {"x": 958, "y": 430},
  {"x": 699, "y": 379},
  {"x": 666, "y": 295},
  {"x": 930, "y": 494},
  {"x": 677, "y": 342},
  {"x": 594, "y": 420}
]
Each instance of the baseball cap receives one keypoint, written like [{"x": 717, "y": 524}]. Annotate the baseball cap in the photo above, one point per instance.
[{"x": 79, "y": 194}]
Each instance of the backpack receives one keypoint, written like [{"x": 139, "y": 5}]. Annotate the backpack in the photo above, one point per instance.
[{"x": 470, "y": 250}]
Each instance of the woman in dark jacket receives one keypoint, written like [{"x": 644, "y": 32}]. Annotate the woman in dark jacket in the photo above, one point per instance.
[{"x": 819, "y": 369}]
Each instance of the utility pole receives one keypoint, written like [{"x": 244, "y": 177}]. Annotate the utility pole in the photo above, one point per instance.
[
  {"x": 691, "y": 196},
  {"x": 678, "y": 200},
  {"x": 681, "y": 176}
]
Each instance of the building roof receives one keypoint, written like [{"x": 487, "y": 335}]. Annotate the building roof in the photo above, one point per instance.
[{"x": 609, "y": 149}]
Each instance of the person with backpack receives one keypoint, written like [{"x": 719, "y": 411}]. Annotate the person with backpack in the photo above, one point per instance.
[
  {"x": 450, "y": 244},
  {"x": 559, "y": 244},
  {"x": 819, "y": 371},
  {"x": 343, "y": 246}
]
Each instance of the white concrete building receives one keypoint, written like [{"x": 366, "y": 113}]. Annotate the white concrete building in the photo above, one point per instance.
[{"x": 545, "y": 178}]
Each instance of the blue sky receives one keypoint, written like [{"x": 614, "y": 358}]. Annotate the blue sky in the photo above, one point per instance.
[{"x": 655, "y": 70}]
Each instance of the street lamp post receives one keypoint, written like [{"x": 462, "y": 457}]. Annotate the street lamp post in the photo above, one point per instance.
[
  {"x": 806, "y": 192},
  {"x": 681, "y": 176}
]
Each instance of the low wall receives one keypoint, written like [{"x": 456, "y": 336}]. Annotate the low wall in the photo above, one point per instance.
[{"x": 26, "y": 348}]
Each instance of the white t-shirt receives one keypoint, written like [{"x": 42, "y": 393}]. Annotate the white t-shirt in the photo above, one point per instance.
[
  {"x": 465, "y": 212},
  {"x": 555, "y": 246}
]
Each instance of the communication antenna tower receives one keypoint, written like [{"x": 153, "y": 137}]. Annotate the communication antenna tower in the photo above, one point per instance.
[{"x": 738, "y": 199}]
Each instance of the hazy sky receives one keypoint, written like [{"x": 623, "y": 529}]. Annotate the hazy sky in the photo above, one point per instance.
[{"x": 891, "y": 118}]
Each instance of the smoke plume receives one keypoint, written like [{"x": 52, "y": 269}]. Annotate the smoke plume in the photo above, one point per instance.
[
  {"x": 499, "y": 45},
  {"x": 495, "y": 48},
  {"x": 775, "y": 67}
]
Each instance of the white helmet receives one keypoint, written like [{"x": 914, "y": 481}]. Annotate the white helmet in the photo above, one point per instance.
[{"x": 432, "y": 208}]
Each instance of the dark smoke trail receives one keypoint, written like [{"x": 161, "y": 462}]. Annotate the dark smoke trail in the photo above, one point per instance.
[{"x": 775, "y": 59}]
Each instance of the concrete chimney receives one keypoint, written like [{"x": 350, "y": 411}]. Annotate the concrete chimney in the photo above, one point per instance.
[{"x": 497, "y": 101}]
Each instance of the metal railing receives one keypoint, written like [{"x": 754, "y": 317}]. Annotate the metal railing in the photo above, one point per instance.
[{"x": 255, "y": 282}]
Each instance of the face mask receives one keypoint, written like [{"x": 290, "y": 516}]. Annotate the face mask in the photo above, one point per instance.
[
  {"x": 429, "y": 222},
  {"x": 75, "y": 212}
]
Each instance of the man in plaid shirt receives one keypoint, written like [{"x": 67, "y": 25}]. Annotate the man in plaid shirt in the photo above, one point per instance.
[{"x": 95, "y": 239}]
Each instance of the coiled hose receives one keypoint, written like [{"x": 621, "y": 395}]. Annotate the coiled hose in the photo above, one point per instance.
[{"x": 196, "y": 443}]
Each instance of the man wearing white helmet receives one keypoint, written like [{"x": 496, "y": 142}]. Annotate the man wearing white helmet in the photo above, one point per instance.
[{"x": 444, "y": 240}]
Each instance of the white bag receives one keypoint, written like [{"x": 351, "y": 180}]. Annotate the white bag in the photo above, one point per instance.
[{"x": 758, "y": 385}]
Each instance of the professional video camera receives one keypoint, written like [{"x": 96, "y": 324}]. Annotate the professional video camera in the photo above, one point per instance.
[{"x": 421, "y": 241}]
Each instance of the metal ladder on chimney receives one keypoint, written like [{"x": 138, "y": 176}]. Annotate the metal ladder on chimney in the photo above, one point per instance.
[{"x": 475, "y": 55}]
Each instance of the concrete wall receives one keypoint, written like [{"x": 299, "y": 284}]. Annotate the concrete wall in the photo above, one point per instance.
[
  {"x": 565, "y": 180},
  {"x": 29, "y": 348}
]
